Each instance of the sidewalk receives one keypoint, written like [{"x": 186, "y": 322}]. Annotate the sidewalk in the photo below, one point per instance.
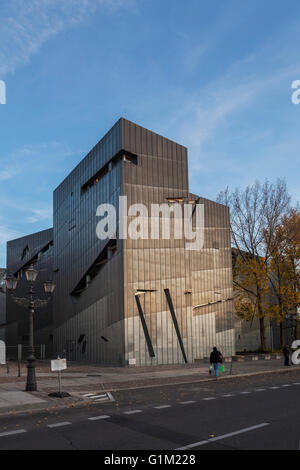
[{"x": 79, "y": 380}]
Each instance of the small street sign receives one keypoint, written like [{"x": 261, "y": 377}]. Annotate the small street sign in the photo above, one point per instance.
[{"x": 58, "y": 364}]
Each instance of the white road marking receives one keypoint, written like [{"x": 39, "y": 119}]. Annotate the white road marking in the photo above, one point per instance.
[
  {"x": 132, "y": 412},
  {"x": 245, "y": 393},
  {"x": 95, "y": 418},
  {"x": 56, "y": 425},
  {"x": 162, "y": 406},
  {"x": 296, "y": 383},
  {"x": 10, "y": 433},
  {"x": 260, "y": 389},
  {"x": 274, "y": 388},
  {"x": 103, "y": 395},
  {"x": 187, "y": 402},
  {"x": 209, "y": 398},
  {"x": 228, "y": 395},
  {"x": 286, "y": 385},
  {"x": 224, "y": 436},
  {"x": 110, "y": 396},
  {"x": 98, "y": 397}
]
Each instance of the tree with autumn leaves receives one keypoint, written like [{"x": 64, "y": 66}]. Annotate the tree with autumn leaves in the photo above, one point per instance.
[
  {"x": 265, "y": 233},
  {"x": 285, "y": 269}
]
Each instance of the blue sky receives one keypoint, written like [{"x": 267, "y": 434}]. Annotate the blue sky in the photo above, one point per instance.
[{"x": 214, "y": 76}]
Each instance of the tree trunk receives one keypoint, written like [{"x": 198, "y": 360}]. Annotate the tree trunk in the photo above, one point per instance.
[
  {"x": 262, "y": 333},
  {"x": 281, "y": 334}
]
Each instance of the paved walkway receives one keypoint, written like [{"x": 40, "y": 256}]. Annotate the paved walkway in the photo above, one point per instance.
[{"x": 82, "y": 380}]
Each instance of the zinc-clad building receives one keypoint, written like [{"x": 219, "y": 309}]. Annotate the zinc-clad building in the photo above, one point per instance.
[
  {"x": 36, "y": 249},
  {"x": 150, "y": 301},
  {"x": 2, "y": 304}
]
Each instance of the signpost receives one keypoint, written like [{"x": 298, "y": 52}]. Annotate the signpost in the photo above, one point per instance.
[
  {"x": 2, "y": 353},
  {"x": 57, "y": 365},
  {"x": 19, "y": 359}
]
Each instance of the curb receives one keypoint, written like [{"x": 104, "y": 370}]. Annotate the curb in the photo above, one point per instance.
[
  {"x": 208, "y": 379},
  {"x": 25, "y": 409}
]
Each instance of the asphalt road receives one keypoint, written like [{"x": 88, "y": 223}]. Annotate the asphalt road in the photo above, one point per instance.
[{"x": 248, "y": 413}]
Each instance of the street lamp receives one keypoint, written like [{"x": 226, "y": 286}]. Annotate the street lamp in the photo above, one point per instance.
[
  {"x": 31, "y": 303},
  {"x": 31, "y": 274},
  {"x": 11, "y": 282}
]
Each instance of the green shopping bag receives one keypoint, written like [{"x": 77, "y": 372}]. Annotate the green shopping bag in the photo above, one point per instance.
[{"x": 222, "y": 368}]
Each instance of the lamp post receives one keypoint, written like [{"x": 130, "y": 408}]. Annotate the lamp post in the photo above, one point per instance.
[{"x": 31, "y": 303}]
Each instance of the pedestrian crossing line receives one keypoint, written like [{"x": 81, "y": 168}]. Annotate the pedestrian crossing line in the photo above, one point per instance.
[
  {"x": 99, "y": 397},
  {"x": 100, "y": 400},
  {"x": 102, "y": 395}
]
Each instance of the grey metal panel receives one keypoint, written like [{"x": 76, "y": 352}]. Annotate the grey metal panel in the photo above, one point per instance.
[
  {"x": 107, "y": 307},
  {"x": 18, "y": 315}
]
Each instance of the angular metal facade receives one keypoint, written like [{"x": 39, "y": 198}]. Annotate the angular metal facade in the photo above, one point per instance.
[
  {"x": 151, "y": 301},
  {"x": 187, "y": 305},
  {"x": 88, "y": 324},
  {"x": 2, "y": 304},
  {"x": 34, "y": 249}
]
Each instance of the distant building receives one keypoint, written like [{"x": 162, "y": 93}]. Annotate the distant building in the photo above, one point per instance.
[
  {"x": 2, "y": 304},
  {"x": 142, "y": 301},
  {"x": 36, "y": 249}
]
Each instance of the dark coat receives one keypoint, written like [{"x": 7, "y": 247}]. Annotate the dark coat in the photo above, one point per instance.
[
  {"x": 286, "y": 351},
  {"x": 215, "y": 357}
]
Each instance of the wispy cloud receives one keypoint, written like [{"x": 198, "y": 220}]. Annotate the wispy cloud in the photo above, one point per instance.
[
  {"x": 9, "y": 172},
  {"x": 39, "y": 215},
  {"x": 38, "y": 156},
  {"x": 26, "y": 26},
  {"x": 6, "y": 234}
]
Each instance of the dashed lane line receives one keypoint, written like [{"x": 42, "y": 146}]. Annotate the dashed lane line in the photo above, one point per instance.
[
  {"x": 161, "y": 407},
  {"x": 187, "y": 402},
  {"x": 96, "y": 418},
  {"x": 131, "y": 412},
  {"x": 10, "y": 433},
  {"x": 57, "y": 425}
]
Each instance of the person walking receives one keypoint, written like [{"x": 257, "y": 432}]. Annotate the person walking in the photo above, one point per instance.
[
  {"x": 286, "y": 354},
  {"x": 215, "y": 360}
]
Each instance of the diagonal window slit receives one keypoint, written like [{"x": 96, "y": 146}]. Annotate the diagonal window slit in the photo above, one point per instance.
[
  {"x": 175, "y": 322},
  {"x": 145, "y": 328}
]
